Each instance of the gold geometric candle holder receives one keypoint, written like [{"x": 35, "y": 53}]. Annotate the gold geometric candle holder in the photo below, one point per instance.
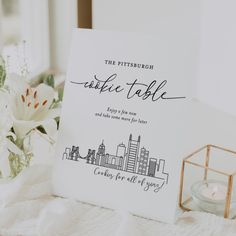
[{"x": 207, "y": 181}]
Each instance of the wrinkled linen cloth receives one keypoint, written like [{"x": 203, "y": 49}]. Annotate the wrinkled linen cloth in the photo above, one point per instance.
[{"x": 28, "y": 208}]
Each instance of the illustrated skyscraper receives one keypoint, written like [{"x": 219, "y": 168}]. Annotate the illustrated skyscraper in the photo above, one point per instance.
[
  {"x": 121, "y": 152},
  {"x": 143, "y": 161},
  {"x": 100, "y": 154},
  {"x": 132, "y": 154},
  {"x": 152, "y": 167}
]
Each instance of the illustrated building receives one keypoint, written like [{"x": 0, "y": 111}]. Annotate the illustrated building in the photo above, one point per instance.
[
  {"x": 152, "y": 167},
  {"x": 143, "y": 161},
  {"x": 91, "y": 157},
  {"x": 132, "y": 154},
  {"x": 161, "y": 171},
  {"x": 74, "y": 153},
  {"x": 160, "y": 167},
  {"x": 100, "y": 154},
  {"x": 103, "y": 161},
  {"x": 121, "y": 152},
  {"x": 66, "y": 154},
  {"x": 114, "y": 162}
]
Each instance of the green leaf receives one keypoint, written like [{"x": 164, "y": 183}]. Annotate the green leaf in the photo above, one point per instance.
[
  {"x": 2, "y": 72},
  {"x": 41, "y": 129},
  {"x": 49, "y": 80},
  {"x": 16, "y": 164},
  {"x": 60, "y": 94}
]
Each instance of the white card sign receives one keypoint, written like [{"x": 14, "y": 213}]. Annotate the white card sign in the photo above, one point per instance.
[{"x": 120, "y": 133}]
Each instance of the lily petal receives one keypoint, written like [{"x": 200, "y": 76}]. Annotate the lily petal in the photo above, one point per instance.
[
  {"x": 4, "y": 164},
  {"x": 5, "y": 120},
  {"x": 4, "y": 161},
  {"x": 44, "y": 96},
  {"x": 13, "y": 148},
  {"x": 11, "y": 134},
  {"x": 40, "y": 146},
  {"x": 22, "y": 127},
  {"x": 45, "y": 93},
  {"x": 50, "y": 127},
  {"x": 53, "y": 113}
]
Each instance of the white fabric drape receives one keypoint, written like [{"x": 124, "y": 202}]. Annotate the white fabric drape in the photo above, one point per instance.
[{"x": 27, "y": 208}]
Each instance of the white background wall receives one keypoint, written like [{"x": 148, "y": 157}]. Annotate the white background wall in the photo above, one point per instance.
[
  {"x": 208, "y": 32},
  {"x": 178, "y": 20},
  {"x": 217, "y": 71}
]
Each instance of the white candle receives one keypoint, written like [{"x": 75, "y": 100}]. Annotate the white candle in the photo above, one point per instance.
[
  {"x": 214, "y": 191},
  {"x": 211, "y": 195}
]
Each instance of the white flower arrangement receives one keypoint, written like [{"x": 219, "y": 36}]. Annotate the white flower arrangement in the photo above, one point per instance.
[{"x": 26, "y": 112}]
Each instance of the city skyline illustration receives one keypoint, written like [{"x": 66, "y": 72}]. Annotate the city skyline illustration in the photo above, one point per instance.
[{"x": 130, "y": 158}]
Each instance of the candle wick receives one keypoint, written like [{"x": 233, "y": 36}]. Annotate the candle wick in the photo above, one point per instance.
[{"x": 215, "y": 190}]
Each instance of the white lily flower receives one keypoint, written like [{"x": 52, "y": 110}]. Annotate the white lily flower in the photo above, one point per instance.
[
  {"x": 6, "y": 145},
  {"x": 41, "y": 147},
  {"x": 31, "y": 107}
]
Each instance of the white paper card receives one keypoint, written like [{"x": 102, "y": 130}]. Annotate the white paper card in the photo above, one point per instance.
[{"x": 122, "y": 121}]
